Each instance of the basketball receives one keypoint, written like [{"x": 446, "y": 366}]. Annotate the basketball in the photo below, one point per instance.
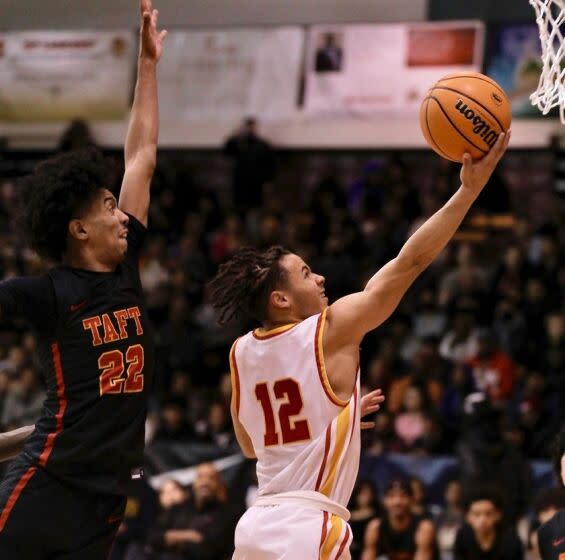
[{"x": 464, "y": 113}]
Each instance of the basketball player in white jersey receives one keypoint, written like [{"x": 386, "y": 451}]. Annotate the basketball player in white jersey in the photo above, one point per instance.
[{"x": 295, "y": 404}]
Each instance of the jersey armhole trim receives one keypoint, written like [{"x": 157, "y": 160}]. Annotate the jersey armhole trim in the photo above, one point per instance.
[
  {"x": 319, "y": 350},
  {"x": 234, "y": 373}
]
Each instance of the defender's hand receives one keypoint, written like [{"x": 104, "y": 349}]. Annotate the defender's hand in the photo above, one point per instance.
[
  {"x": 370, "y": 403},
  {"x": 151, "y": 40},
  {"x": 475, "y": 175}
]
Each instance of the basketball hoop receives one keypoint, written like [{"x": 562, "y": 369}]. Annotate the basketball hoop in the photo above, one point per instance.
[{"x": 550, "y": 17}]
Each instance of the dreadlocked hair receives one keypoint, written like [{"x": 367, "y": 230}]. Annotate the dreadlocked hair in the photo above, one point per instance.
[{"x": 244, "y": 283}]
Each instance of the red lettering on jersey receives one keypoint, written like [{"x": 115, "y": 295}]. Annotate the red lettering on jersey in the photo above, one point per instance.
[
  {"x": 93, "y": 324},
  {"x": 122, "y": 318},
  {"x": 135, "y": 314},
  {"x": 110, "y": 333}
]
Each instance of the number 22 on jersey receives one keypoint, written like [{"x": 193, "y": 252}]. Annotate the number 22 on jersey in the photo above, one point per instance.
[{"x": 291, "y": 429}]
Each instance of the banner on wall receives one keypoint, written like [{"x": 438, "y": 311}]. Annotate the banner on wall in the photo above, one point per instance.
[
  {"x": 227, "y": 74},
  {"x": 513, "y": 59},
  {"x": 64, "y": 75},
  {"x": 385, "y": 68}
]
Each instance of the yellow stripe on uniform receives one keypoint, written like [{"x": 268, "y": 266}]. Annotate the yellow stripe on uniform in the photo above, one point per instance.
[
  {"x": 341, "y": 435},
  {"x": 332, "y": 538}
]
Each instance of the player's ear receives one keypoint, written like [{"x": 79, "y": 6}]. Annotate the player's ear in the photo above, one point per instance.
[
  {"x": 77, "y": 230},
  {"x": 279, "y": 300}
]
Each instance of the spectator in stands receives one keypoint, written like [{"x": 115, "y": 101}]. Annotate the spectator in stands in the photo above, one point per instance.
[
  {"x": 484, "y": 535},
  {"x": 409, "y": 424},
  {"x": 173, "y": 499},
  {"x": 217, "y": 428},
  {"x": 364, "y": 507},
  {"x": 419, "y": 498},
  {"x": 450, "y": 518},
  {"x": 460, "y": 343},
  {"x": 202, "y": 527},
  {"x": 254, "y": 165},
  {"x": 173, "y": 423},
  {"x": 25, "y": 400},
  {"x": 399, "y": 533},
  {"x": 492, "y": 370}
]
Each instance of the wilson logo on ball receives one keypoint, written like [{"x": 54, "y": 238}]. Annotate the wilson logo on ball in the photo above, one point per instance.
[{"x": 480, "y": 126}]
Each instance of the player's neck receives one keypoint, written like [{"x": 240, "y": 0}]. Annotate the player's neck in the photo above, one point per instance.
[
  {"x": 281, "y": 321},
  {"x": 85, "y": 262}
]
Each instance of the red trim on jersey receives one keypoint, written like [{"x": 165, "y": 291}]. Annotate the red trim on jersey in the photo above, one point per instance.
[
  {"x": 324, "y": 532},
  {"x": 320, "y": 363},
  {"x": 235, "y": 377},
  {"x": 15, "y": 495},
  {"x": 326, "y": 452},
  {"x": 62, "y": 398},
  {"x": 344, "y": 542},
  {"x": 354, "y": 411}
]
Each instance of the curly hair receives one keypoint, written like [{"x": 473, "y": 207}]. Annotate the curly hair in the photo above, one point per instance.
[
  {"x": 558, "y": 452},
  {"x": 244, "y": 283},
  {"x": 58, "y": 190}
]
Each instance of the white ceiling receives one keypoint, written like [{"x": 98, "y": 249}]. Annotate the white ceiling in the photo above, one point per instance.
[{"x": 99, "y": 14}]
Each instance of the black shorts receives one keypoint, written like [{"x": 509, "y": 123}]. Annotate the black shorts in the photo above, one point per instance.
[{"x": 42, "y": 518}]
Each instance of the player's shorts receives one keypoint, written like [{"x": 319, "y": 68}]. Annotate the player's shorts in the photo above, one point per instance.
[
  {"x": 288, "y": 532},
  {"x": 43, "y": 518}
]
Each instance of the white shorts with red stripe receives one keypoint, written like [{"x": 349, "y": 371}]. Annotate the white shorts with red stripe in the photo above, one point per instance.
[{"x": 288, "y": 532}]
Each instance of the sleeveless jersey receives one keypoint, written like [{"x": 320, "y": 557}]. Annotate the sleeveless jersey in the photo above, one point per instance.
[{"x": 304, "y": 436}]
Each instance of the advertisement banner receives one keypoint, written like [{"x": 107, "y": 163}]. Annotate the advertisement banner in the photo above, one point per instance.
[
  {"x": 228, "y": 74},
  {"x": 64, "y": 75},
  {"x": 385, "y": 68},
  {"x": 513, "y": 59}
]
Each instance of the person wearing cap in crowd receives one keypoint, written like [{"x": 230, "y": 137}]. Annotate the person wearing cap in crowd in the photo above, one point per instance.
[{"x": 400, "y": 535}]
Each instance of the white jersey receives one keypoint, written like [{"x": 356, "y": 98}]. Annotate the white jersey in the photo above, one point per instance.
[{"x": 304, "y": 436}]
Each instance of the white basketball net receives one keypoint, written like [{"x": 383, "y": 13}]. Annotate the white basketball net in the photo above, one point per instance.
[{"x": 550, "y": 16}]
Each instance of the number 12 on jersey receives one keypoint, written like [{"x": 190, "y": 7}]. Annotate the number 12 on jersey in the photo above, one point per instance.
[{"x": 292, "y": 429}]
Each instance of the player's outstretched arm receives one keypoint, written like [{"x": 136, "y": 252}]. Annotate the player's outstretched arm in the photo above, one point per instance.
[
  {"x": 351, "y": 317},
  {"x": 141, "y": 140},
  {"x": 11, "y": 443}
]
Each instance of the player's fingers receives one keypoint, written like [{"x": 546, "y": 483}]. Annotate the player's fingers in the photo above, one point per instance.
[
  {"x": 367, "y": 425},
  {"x": 145, "y": 6},
  {"x": 162, "y": 35},
  {"x": 467, "y": 161},
  {"x": 155, "y": 17},
  {"x": 146, "y": 16},
  {"x": 371, "y": 409}
]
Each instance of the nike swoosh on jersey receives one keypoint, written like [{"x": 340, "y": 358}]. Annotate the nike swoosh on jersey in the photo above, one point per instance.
[
  {"x": 557, "y": 542},
  {"x": 76, "y": 306}
]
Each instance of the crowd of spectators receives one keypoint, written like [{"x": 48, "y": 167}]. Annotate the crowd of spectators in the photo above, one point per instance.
[{"x": 472, "y": 363}]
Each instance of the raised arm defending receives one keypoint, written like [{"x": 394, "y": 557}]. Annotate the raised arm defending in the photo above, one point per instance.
[{"x": 141, "y": 140}]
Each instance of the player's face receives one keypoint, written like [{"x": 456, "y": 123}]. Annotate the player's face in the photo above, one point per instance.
[
  {"x": 305, "y": 289},
  {"x": 107, "y": 228},
  {"x": 483, "y": 516},
  {"x": 397, "y": 502}
]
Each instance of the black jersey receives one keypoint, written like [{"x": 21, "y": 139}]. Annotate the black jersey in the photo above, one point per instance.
[
  {"x": 96, "y": 349},
  {"x": 551, "y": 538}
]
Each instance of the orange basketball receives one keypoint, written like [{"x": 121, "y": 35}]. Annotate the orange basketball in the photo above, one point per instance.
[{"x": 464, "y": 113}]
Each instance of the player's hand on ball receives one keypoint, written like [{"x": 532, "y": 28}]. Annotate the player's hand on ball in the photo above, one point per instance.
[
  {"x": 151, "y": 40},
  {"x": 475, "y": 175},
  {"x": 370, "y": 403}
]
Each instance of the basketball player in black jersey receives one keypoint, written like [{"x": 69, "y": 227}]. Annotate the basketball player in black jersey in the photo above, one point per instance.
[
  {"x": 400, "y": 535},
  {"x": 63, "y": 496},
  {"x": 551, "y": 535}
]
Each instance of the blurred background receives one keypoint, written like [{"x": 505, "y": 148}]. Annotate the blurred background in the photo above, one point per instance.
[{"x": 296, "y": 123}]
